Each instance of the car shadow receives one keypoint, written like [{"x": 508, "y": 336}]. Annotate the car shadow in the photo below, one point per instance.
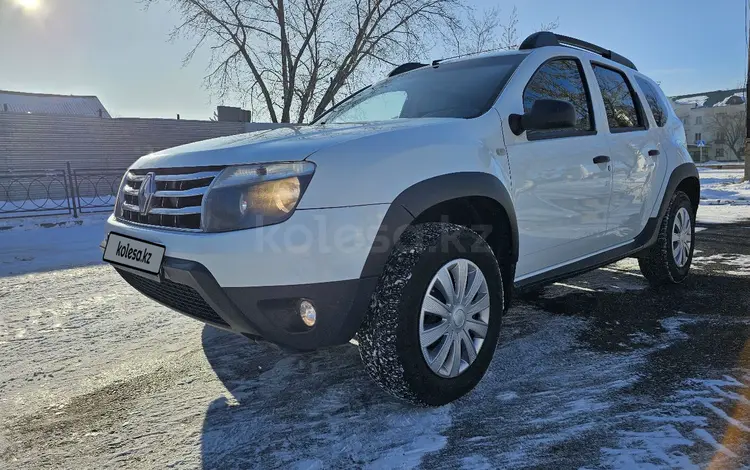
[{"x": 285, "y": 407}]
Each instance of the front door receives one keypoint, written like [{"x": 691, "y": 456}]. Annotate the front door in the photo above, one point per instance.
[{"x": 561, "y": 190}]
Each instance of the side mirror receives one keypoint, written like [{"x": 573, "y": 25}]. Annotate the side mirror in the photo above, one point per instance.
[{"x": 544, "y": 115}]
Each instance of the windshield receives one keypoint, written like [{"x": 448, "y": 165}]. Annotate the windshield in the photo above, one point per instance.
[{"x": 463, "y": 89}]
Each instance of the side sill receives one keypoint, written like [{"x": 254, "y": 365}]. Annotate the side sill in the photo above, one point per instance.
[{"x": 641, "y": 242}]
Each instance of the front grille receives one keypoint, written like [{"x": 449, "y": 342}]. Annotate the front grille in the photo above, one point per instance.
[
  {"x": 180, "y": 297},
  {"x": 177, "y": 201}
]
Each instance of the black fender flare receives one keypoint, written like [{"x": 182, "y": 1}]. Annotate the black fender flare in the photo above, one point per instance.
[
  {"x": 419, "y": 197},
  {"x": 681, "y": 173}
]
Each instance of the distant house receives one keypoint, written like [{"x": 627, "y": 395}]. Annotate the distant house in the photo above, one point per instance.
[
  {"x": 700, "y": 113},
  {"x": 58, "y": 105}
]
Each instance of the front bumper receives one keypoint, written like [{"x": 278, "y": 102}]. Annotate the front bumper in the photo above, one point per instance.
[
  {"x": 270, "y": 312},
  {"x": 252, "y": 281}
]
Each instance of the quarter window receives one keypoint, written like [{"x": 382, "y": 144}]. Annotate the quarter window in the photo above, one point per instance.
[
  {"x": 619, "y": 100},
  {"x": 561, "y": 79},
  {"x": 654, "y": 102}
]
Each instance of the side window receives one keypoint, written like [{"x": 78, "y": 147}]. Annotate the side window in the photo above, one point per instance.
[
  {"x": 561, "y": 79},
  {"x": 619, "y": 99},
  {"x": 656, "y": 105}
]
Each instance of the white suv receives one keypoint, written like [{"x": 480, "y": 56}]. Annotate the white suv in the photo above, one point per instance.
[{"x": 406, "y": 216}]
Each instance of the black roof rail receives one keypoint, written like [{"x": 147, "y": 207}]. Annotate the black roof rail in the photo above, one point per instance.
[
  {"x": 546, "y": 38},
  {"x": 407, "y": 67}
]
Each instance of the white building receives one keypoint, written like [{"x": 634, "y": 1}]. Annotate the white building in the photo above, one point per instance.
[{"x": 716, "y": 118}]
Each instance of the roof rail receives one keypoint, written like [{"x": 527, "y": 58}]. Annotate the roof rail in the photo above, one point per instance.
[
  {"x": 407, "y": 67},
  {"x": 546, "y": 38}
]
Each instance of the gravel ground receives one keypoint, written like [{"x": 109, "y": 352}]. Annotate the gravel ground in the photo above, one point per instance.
[{"x": 599, "y": 371}]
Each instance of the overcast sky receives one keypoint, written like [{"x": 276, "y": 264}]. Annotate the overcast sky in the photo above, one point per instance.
[{"x": 118, "y": 51}]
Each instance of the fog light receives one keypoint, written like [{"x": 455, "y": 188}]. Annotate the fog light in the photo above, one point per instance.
[{"x": 307, "y": 313}]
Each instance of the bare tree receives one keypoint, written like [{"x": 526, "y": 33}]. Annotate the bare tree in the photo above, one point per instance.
[
  {"x": 294, "y": 56},
  {"x": 730, "y": 130},
  {"x": 485, "y": 31},
  {"x": 291, "y": 58}
]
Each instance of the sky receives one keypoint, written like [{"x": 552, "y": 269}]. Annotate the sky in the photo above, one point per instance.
[{"x": 121, "y": 52}]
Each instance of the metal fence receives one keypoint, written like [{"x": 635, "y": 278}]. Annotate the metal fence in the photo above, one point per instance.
[{"x": 58, "y": 192}]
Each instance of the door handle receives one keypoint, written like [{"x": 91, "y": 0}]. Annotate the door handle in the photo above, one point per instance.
[
  {"x": 653, "y": 153},
  {"x": 601, "y": 159}
]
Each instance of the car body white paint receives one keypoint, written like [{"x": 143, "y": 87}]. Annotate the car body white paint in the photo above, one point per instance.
[
  {"x": 561, "y": 197},
  {"x": 323, "y": 245}
]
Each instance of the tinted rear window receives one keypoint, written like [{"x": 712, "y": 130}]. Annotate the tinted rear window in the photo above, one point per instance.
[
  {"x": 654, "y": 102},
  {"x": 463, "y": 89},
  {"x": 619, "y": 100}
]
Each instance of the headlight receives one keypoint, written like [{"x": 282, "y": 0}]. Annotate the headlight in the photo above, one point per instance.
[{"x": 250, "y": 196}]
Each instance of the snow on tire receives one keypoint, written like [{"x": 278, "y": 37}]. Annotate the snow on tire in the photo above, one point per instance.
[
  {"x": 664, "y": 263},
  {"x": 392, "y": 339}
]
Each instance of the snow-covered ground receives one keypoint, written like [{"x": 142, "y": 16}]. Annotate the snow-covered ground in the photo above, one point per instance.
[
  {"x": 41, "y": 244},
  {"x": 724, "y": 187},
  {"x": 599, "y": 371}
]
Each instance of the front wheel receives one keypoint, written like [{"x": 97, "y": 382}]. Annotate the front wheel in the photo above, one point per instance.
[
  {"x": 434, "y": 319},
  {"x": 668, "y": 261}
]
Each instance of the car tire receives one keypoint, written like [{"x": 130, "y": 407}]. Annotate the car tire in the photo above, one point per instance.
[
  {"x": 668, "y": 260},
  {"x": 394, "y": 339}
]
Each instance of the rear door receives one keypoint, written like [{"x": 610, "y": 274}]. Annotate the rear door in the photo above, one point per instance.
[
  {"x": 658, "y": 109},
  {"x": 635, "y": 150},
  {"x": 561, "y": 195}
]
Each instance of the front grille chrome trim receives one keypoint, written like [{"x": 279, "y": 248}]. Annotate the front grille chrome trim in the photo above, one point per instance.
[
  {"x": 182, "y": 211},
  {"x": 130, "y": 207},
  {"x": 177, "y": 202},
  {"x": 186, "y": 193},
  {"x": 188, "y": 177}
]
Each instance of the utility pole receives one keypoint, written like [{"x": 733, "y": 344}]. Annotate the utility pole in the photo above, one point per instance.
[{"x": 747, "y": 97}]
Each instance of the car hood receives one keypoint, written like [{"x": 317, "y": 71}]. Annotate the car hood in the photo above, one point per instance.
[{"x": 282, "y": 144}]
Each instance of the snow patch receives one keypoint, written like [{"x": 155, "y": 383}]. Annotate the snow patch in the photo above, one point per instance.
[
  {"x": 725, "y": 101},
  {"x": 722, "y": 214},
  {"x": 724, "y": 187},
  {"x": 709, "y": 439},
  {"x": 696, "y": 101},
  {"x": 650, "y": 449},
  {"x": 740, "y": 262},
  {"x": 33, "y": 248}
]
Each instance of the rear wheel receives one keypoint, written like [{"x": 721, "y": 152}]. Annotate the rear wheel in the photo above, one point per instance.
[
  {"x": 669, "y": 260},
  {"x": 434, "y": 320}
]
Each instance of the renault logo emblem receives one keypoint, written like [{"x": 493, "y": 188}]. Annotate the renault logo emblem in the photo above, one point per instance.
[{"x": 146, "y": 193}]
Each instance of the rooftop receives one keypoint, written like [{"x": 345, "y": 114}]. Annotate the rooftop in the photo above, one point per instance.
[
  {"x": 40, "y": 103},
  {"x": 712, "y": 98}
]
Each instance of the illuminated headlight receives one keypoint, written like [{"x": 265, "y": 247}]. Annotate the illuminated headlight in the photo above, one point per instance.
[{"x": 250, "y": 196}]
